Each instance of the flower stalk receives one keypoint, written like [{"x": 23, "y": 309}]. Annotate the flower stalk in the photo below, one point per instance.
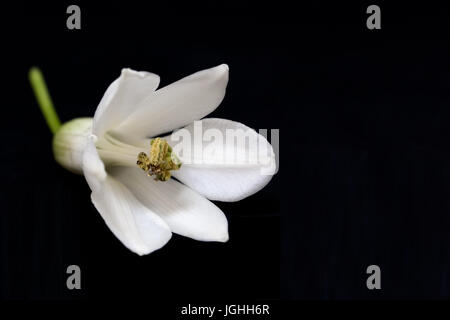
[{"x": 44, "y": 100}]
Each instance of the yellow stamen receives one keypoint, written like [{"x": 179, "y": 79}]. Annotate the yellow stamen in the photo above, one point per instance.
[{"x": 161, "y": 160}]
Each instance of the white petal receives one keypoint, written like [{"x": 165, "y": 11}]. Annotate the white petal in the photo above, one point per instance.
[
  {"x": 93, "y": 167},
  {"x": 177, "y": 105},
  {"x": 185, "y": 211},
  {"x": 122, "y": 97},
  {"x": 221, "y": 170},
  {"x": 138, "y": 228}
]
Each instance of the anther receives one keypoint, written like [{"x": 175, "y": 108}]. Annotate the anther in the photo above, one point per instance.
[{"x": 161, "y": 160}]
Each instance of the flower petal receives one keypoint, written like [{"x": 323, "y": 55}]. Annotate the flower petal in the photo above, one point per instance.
[
  {"x": 185, "y": 211},
  {"x": 176, "y": 105},
  {"x": 227, "y": 161},
  {"x": 138, "y": 228},
  {"x": 122, "y": 97}
]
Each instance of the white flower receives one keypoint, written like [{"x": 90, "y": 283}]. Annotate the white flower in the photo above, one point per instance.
[{"x": 141, "y": 212}]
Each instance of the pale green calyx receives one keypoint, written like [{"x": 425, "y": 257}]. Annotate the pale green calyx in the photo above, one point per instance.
[
  {"x": 69, "y": 140},
  {"x": 69, "y": 143}
]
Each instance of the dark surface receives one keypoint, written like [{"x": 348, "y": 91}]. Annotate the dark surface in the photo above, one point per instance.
[{"x": 364, "y": 122}]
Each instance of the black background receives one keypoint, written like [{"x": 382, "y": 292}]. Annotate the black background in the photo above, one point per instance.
[{"x": 365, "y": 161}]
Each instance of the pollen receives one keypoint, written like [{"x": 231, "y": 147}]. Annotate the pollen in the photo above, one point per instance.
[{"x": 160, "y": 160}]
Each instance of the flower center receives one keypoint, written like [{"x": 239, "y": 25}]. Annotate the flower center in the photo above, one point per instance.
[{"x": 160, "y": 161}]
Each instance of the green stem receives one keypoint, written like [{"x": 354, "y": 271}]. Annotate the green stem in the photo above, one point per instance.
[{"x": 43, "y": 98}]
